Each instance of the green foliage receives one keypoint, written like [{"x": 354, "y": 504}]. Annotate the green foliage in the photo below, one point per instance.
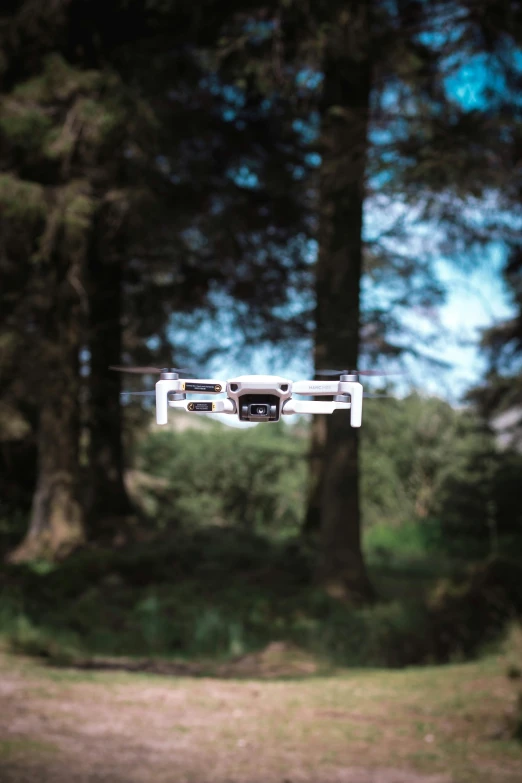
[
  {"x": 64, "y": 111},
  {"x": 219, "y": 593},
  {"x": 254, "y": 479},
  {"x": 58, "y": 80},
  {"x": 512, "y": 650},
  {"x": 78, "y": 212},
  {"x": 431, "y": 480},
  {"x": 389, "y": 634},
  {"x": 405, "y": 445},
  {"x": 409, "y": 540},
  {"x": 21, "y": 202},
  {"x": 430, "y": 467},
  {"x": 469, "y": 612},
  {"x": 433, "y": 484},
  {"x": 24, "y": 126}
]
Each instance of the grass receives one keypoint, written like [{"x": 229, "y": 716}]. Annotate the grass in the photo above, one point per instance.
[
  {"x": 293, "y": 706},
  {"x": 404, "y": 725},
  {"x": 18, "y": 748}
]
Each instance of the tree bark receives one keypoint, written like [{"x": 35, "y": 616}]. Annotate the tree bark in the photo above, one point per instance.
[
  {"x": 107, "y": 502},
  {"x": 333, "y": 515},
  {"x": 56, "y": 524}
]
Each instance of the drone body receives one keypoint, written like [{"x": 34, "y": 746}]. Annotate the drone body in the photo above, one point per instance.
[{"x": 259, "y": 398}]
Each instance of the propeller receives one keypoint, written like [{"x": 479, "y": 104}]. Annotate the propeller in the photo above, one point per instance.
[
  {"x": 139, "y": 393},
  {"x": 358, "y": 372},
  {"x": 147, "y": 370}
]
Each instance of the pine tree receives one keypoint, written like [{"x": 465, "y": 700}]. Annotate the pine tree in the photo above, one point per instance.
[
  {"x": 69, "y": 121},
  {"x": 142, "y": 159}
]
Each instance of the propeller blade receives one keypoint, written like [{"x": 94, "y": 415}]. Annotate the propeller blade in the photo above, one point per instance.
[
  {"x": 359, "y": 372},
  {"x": 147, "y": 370},
  {"x": 379, "y": 372},
  {"x": 137, "y": 370},
  {"x": 140, "y": 394}
]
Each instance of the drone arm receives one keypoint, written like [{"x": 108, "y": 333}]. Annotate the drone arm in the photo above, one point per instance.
[
  {"x": 182, "y": 387},
  {"x": 316, "y": 388},
  {"x": 162, "y": 403},
  {"x": 314, "y": 406},
  {"x": 356, "y": 394}
]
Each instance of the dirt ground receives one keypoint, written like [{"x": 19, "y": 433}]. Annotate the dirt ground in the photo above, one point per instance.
[{"x": 432, "y": 725}]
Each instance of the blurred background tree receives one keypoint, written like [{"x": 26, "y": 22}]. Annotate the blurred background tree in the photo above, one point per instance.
[{"x": 133, "y": 163}]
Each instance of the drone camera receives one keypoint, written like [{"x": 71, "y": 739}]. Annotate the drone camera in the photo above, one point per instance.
[{"x": 257, "y": 407}]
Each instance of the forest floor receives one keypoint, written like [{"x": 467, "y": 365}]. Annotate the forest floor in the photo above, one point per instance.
[{"x": 442, "y": 724}]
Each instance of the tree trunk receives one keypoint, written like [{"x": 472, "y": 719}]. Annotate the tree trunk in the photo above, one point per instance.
[
  {"x": 333, "y": 516},
  {"x": 56, "y": 522},
  {"x": 107, "y": 501}
]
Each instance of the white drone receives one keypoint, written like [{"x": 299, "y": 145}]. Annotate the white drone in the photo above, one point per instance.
[{"x": 256, "y": 398}]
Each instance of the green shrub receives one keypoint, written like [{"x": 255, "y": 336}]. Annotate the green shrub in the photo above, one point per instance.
[
  {"x": 221, "y": 592},
  {"x": 253, "y": 479},
  {"x": 407, "y": 540},
  {"x": 466, "y": 614}
]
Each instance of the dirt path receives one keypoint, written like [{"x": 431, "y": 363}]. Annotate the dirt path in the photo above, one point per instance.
[{"x": 372, "y": 727}]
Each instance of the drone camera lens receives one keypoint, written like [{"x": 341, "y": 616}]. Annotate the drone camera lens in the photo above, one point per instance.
[{"x": 258, "y": 408}]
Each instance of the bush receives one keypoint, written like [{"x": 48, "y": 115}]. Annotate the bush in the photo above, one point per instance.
[
  {"x": 426, "y": 465},
  {"x": 253, "y": 479},
  {"x": 512, "y": 650},
  {"x": 468, "y": 613},
  {"x": 220, "y": 593}
]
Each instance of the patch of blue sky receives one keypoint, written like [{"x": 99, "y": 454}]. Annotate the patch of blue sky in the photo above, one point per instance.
[
  {"x": 259, "y": 30},
  {"x": 476, "y": 82},
  {"x": 229, "y": 115},
  {"x": 475, "y": 300},
  {"x": 244, "y": 177},
  {"x": 298, "y": 172},
  {"x": 476, "y": 296},
  {"x": 307, "y": 130},
  {"x": 449, "y": 331},
  {"x": 309, "y": 79},
  {"x": 447, "y": 32},
  {"x": 313, "y": 159}
]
